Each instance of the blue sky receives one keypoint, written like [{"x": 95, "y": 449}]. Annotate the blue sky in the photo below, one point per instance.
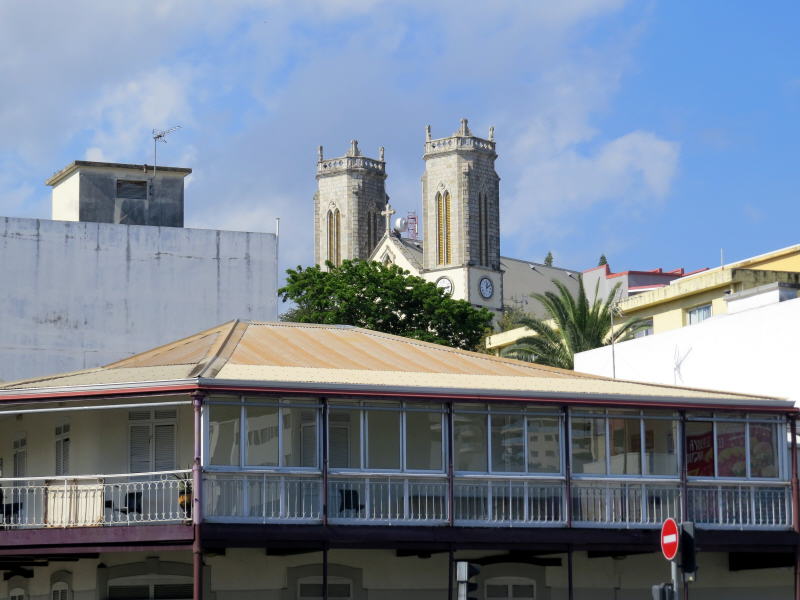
[{"x": 654, "y": 132}]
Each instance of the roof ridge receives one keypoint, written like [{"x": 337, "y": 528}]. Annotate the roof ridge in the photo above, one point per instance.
[
  {"x": 219, "y": 352},
  {"x": 440, "y": 347}
]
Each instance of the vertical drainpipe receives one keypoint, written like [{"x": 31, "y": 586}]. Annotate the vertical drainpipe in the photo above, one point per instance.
[
  {"x": 795, "y": 504},
  {"x": 450, "y": 470},
  {"x": 197, "y": 517}
]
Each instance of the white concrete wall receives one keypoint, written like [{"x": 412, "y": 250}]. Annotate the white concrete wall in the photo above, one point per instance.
[
  {"x": 78, "y": 295},
  {"x": 753, "y": 351}
]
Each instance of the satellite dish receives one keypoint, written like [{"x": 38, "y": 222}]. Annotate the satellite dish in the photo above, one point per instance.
[{"x": 400, "y": 224}]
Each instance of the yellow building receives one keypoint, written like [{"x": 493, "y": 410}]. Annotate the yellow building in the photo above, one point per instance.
[{"x": 695, "y": 298}]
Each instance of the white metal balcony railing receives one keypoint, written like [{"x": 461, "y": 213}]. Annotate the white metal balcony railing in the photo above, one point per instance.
[
  {"x": 508, "y": 501},
  {"x": 624, "y": 503},
  {"x": 269, "y": 497},
  {"x": 262, "y": 497},
  {"x": 93, "y": 500},
  {"x": 736, "y": 505}
]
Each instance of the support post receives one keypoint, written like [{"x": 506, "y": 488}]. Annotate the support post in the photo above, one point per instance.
[
  {"x": 450, "y": 471},
  {"x": 325, "y": 572},
  {"x": 567, "y": 475},
  {"x": 197, "y": 516},
  {"x": 795, "y": 503},
  {"x": 570, "y": 588},
  {"x": 451, "y": 555},
  {"x": 682, "y": 457},
  {"x": 325, "y": 418}
]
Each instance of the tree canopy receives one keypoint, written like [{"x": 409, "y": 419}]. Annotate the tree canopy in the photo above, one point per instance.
[
  {"x": 574, "y": 325},
  {"x": 548, "y": 260},
  {"x": 382, "y": 298},
  {"x": 603, "y": 260}
]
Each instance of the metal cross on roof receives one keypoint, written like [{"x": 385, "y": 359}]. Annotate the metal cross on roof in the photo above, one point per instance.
[{"x": 388, "y": 215}]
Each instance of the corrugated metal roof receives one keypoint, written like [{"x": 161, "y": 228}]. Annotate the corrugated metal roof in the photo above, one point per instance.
[{"x": 260, "y": 353}]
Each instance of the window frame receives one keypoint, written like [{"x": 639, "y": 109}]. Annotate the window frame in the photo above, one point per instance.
[
  {"x": 642, "y": 415},
  {"x": 152, "y": 421},
  {"x": 693, "y": 310},
  {"x": 747, "y": 419},
  {"x": 405, "y": 406},
  {"x": 526, "y": 411},
  {"x": 243, "y": 401},
  {"x": 62, "y": 439}
]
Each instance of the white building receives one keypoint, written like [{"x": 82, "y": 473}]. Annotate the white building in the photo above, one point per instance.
[
  {"x": 120, "y": 274},
  {"x": 751, "y": 349}
]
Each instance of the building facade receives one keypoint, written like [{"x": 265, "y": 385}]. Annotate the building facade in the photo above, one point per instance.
[
  {"x": 293, "y": 461},
  {"x": 119, "y": 273}
]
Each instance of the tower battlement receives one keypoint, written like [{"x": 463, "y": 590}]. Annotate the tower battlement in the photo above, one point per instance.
[
  {"x": 460, "y": 140},
  {"x": 353, "y": 160}
]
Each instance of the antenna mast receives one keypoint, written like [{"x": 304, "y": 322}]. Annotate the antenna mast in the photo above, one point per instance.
[{"x": 159, "y": 135}]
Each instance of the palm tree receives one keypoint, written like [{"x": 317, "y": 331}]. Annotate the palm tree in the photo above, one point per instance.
[{"x": 576, "y": 326}]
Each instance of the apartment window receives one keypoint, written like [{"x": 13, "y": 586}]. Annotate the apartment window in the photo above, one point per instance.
[
  {"x": 151, "y": 440},
  {"x": 386, "y": 435},
  {"x": 698, "y": 314},
  {"x": 17, "y": 594},
  {"x": 733, "y": 446},
  {"x": 59, "y": 591},
  {"x": 263, "y": 432},
  {"x": 62, "y": 442},
  {"x": 624, "y": 442},
  {"x": 506, "y": 439},
  {"x": 643, "y": 330},
  {"x": 510, "y": 588}
]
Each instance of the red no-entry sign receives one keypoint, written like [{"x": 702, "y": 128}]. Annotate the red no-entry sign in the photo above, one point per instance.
[{"x": 669, "y": 539}]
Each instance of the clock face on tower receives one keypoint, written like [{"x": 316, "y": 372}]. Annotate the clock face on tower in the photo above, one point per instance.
[
  {"x": 444, "y": 284},
  {"x": 486, "y": 287}
]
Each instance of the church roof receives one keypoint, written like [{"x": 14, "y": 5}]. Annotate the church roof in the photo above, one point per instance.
[
  {"x": 344, "y": 359},
  {"x": 410, "y": 249}
]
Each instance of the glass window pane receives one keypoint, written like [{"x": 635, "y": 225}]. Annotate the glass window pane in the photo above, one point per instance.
[
  {"x": 544, "y": 445},
  {"x": 626, "y": 446},
  {"x": 424, "y": 441},
  {"x": 223, "y": 434},
  {"x": 344, "y": 439},
  {"x": 699, "y": 449},
  {"x": 508, "y": 443},
  {"x": 763, "y": 450},
  {"x": 262, "y": 436},
  {"x": 299, "y": 437},
  {"x": 383, "y": 434},
  {"x": 731, "y": 457},
  {"x": 659, "y": 447},
  {"x": 469, "y": 442},
  {"x": 588, "y": 445}
]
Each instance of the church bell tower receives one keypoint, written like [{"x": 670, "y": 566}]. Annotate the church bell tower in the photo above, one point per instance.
[
  {"x": 461, "y": 216},
  {"x": 350, "y": 196}
]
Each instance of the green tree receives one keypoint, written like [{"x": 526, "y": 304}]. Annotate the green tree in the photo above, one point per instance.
[
  {"x": 548, "y": 260},
  {"x": 603, "y": 260},
  {"x": 574, "y": 325},
  {"x": 382, "y": 298}
]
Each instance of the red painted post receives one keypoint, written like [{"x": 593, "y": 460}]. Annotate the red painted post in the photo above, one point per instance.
[
  {"x": 197, "y": 517},
  {"x": 795, "y": 503}
]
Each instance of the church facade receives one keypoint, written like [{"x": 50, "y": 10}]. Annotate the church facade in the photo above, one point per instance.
[{"x": 460, "y": 246}]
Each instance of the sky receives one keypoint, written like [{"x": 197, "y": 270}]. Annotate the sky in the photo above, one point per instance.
[{"x": 658, "y": 133}]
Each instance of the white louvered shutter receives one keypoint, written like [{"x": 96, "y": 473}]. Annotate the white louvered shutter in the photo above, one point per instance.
[
  {"x": 140, "y": 448},
  {"x": 164, "y": 455}
]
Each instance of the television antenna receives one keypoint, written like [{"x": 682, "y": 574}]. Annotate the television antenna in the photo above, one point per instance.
[{"x": 160, "y": 135}]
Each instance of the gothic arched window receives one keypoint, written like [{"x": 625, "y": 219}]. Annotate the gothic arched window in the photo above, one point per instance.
[
  {"x": 333, "y": 230},
  {"x": 483, "y": 230},
  {"x": 443, "y": 245}
]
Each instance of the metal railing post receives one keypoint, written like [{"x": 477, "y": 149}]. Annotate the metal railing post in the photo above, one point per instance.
[{"x": 197, "y": 517}]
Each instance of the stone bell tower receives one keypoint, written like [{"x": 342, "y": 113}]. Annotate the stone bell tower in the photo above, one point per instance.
[
  {"x": 347, "y": 206},
  {"x": 461, "y": 215}
]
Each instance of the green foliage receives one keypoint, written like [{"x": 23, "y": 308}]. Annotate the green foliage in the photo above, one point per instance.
[
  {"x": 382, "y": 298},
  {"x": 511, "y": 318},
  {"x": 548, "y": 260},
  {"x": 603, "y": 260},
  {"x": 576, "y": 326}
]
